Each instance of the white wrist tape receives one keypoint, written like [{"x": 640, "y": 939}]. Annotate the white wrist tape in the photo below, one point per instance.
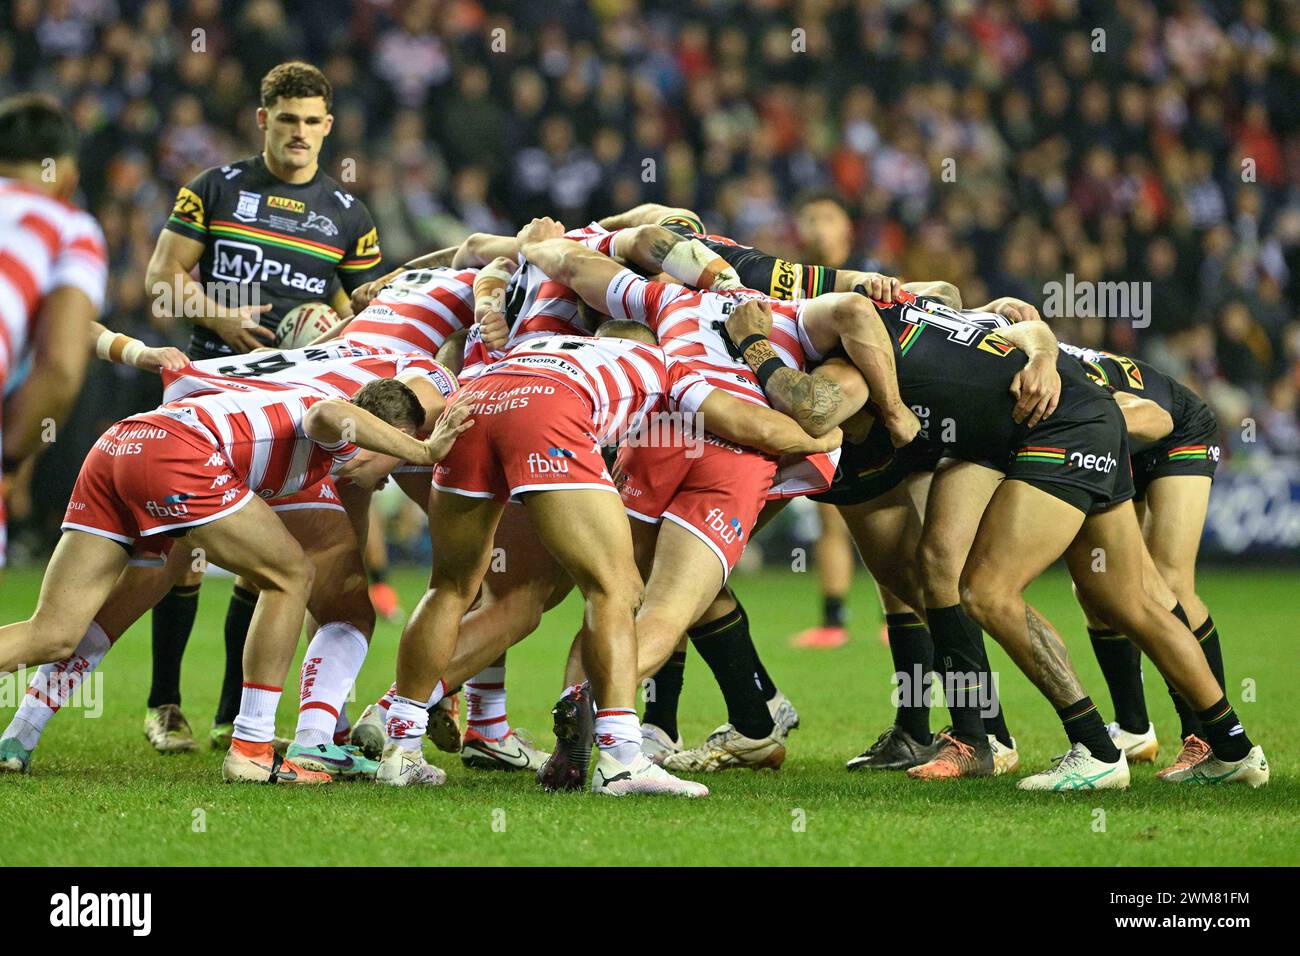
[
  {"x": 103, "y": 343},
  {"x": 132, "y": 351}
]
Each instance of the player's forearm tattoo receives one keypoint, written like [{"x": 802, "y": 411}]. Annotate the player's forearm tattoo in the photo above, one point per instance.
[
  {"x": 810, "y": 400},
  {"x": 1054, "y": 674},
  {"x": 660, "y": 246}
]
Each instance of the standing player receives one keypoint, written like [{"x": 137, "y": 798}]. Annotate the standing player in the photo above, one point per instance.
[
  {"x": 271, "y": 232},
  {"x": 53, "y": 272},
  {"x": 1172, "y": 480}
]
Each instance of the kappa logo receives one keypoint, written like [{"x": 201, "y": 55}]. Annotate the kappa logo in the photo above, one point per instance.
[
  {"x": 249, "y": 203},
  {"x": 328, "y": 493},
  {"x": 216, "y": 461}
]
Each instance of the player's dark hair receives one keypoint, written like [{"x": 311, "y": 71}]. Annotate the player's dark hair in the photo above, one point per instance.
[
  {"x": 391, "y": 401},
  {"x": 821, "y": 195},
  {"x": 627, "y": 329},
  {"x": 296, "y": 80},
  {"x": 34, "y": 127}
]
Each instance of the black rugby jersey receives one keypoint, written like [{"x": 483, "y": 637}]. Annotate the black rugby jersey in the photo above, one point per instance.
[{"x": 294, "y": 240}]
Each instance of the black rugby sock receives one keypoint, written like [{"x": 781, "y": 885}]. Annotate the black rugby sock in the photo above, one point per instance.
[
  {"x": 912, "y": 650},
  {"x": 1121, "y": 665},
  {"x": 1189, "y": 723},
  {"x": 662, "y": 694},
  {"x": 238, "y": 617},
  {"x": 173, "y": 620},
  {"x": 832, "y": 611},
  {"x": 726, "y": 647},
  {"x": 1223, "y": 731},
  {"x": 1208, "y": 636},
  {"x": 963, "y": 668},
  {"x": 1083, "y": 725}
]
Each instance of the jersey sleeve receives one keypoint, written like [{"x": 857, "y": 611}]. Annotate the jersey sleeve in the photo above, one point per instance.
[
  {"x": 633, "y": 297},
  {"x": 362, "y": 260},
  {"x": 687, "y": 389},
  {"x": 82, "y": 261},
  {"x": 193, "y": 205}
]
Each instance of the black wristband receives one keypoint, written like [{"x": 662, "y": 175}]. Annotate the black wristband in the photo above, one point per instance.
[
  {"x": 768, "y": 369},
  {"x": 749, "y": 340}
]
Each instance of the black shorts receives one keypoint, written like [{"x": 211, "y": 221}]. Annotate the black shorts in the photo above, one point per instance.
[
  {"x": 872, "y": 467},
  {"x": 1190, "y": 449},
  {"x": 1080, "y": 456},
  {"x": 771, "y": 275}
]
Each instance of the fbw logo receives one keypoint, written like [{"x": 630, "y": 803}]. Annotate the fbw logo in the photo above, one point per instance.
[
  {"x": 729, "y": 530},
  {"x": 554, "y": 462}
]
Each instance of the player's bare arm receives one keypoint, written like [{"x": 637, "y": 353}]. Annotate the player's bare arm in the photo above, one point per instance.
[
  {"x": 1017, "y": 310},
  {"x": 850, "y": 320},
  {"x": 1146, "y": 421},
  {"x": 59, "y": 360},
  {"x": 1036, "y": 387},
  {"x": 761, "y": 428},
  {"x": 816, "y": 403},
  {"x": 480, "y": 248},
  {"x": 335, "y": 420},
  {"x": 585, "y": 271},
  {"x": 124, "y": 350},
  {"x": 168, "y": 281},
  {"x": 652, "y": 249},
  {"x": 645, "y": 214}
]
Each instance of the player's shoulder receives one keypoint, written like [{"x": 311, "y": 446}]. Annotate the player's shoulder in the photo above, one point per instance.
[{"x": 348, "y": 203}]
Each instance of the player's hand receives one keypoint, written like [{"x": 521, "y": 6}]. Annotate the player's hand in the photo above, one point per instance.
[
  {"x": 239, "y": 327},
  {"x": 1037, "y": 390},
  {"x": 903, "y": 425},
  {"x": 155, "y": 360},
  {"x": 1017, "y": 310},
  {"x": 880, "y": 287},
  {"x": 752, "y": 317},
  {"x": 540, "y": 230},
  {"x": 828, "y": 442},
  {"x": 453, "y": 422},
  {"x": 362, "y": 294},
  {"x": 494, "y": 331}
]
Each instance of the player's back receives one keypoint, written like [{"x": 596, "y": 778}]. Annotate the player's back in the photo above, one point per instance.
[
  {"x": 623, "y": 380},
  {"x": 417, "y": 311},
  {"x": 335, "y": 369}
]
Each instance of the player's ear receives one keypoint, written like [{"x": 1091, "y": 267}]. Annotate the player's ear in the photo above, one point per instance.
[
  {"x": 262, "y": 115},
  {"x": 329, "y": 123}
]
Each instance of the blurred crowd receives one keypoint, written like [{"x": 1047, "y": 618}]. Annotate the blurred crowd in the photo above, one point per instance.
[{"x": 1002, "y": 145}]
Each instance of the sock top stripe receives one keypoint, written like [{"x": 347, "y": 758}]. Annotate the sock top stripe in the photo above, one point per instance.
[
  {"x": 615, "y": 712},
  {"x": 473, "y": 686},
  {"x": 718, "y": 626},
  {"x": 262, "y": 687},
  {"x": 1205, "y": 630},
  {"x": 1105, "y": 634}
]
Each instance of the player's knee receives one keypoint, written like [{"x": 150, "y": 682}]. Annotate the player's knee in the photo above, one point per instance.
[
  {"x": 53, "y": 637},
  {"x": 850, "y": 312},
  {"x": 937, "y": 565},
  {"x": 986, "y": 599}
]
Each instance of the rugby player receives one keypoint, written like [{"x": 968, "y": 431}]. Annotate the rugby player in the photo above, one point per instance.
[
  {"x": 1065, "y": 492},
  {"x": 693, "y": 513},
  {"x": 1172, "y": 478},
  {"x": 266, "y": 233},
  {"x": 53, "y": 272},
  {"x": 578, "y": 393},
  {"x": 315, "y": 519}
]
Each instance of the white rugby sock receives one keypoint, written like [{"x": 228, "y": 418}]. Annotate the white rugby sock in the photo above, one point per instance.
[
  {"x": 255, "y": 722},
  {"x": 342, "y": 726},
  {"x": 485, "y": 702},
  {"x": 407, "y": 721},
  {"x": 329, "y": 669},
  {"x": 53, "y": 687},
  {"x": 618, "y": 733}
]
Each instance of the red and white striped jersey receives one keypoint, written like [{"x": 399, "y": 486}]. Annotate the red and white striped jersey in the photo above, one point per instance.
[
  {"x": 540, "y": 305},
  {"x": 417, "y": 311},
  {"x": 260, "y": 433},
  {"x": 45, "y": 245},
  {"x": 689, "y": 325},
  {"x": 623, "y": 380},
  {"x": 334, "y": 370}
]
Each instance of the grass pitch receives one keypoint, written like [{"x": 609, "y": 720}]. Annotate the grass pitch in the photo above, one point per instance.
[{"x": 99, "y": 796}]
